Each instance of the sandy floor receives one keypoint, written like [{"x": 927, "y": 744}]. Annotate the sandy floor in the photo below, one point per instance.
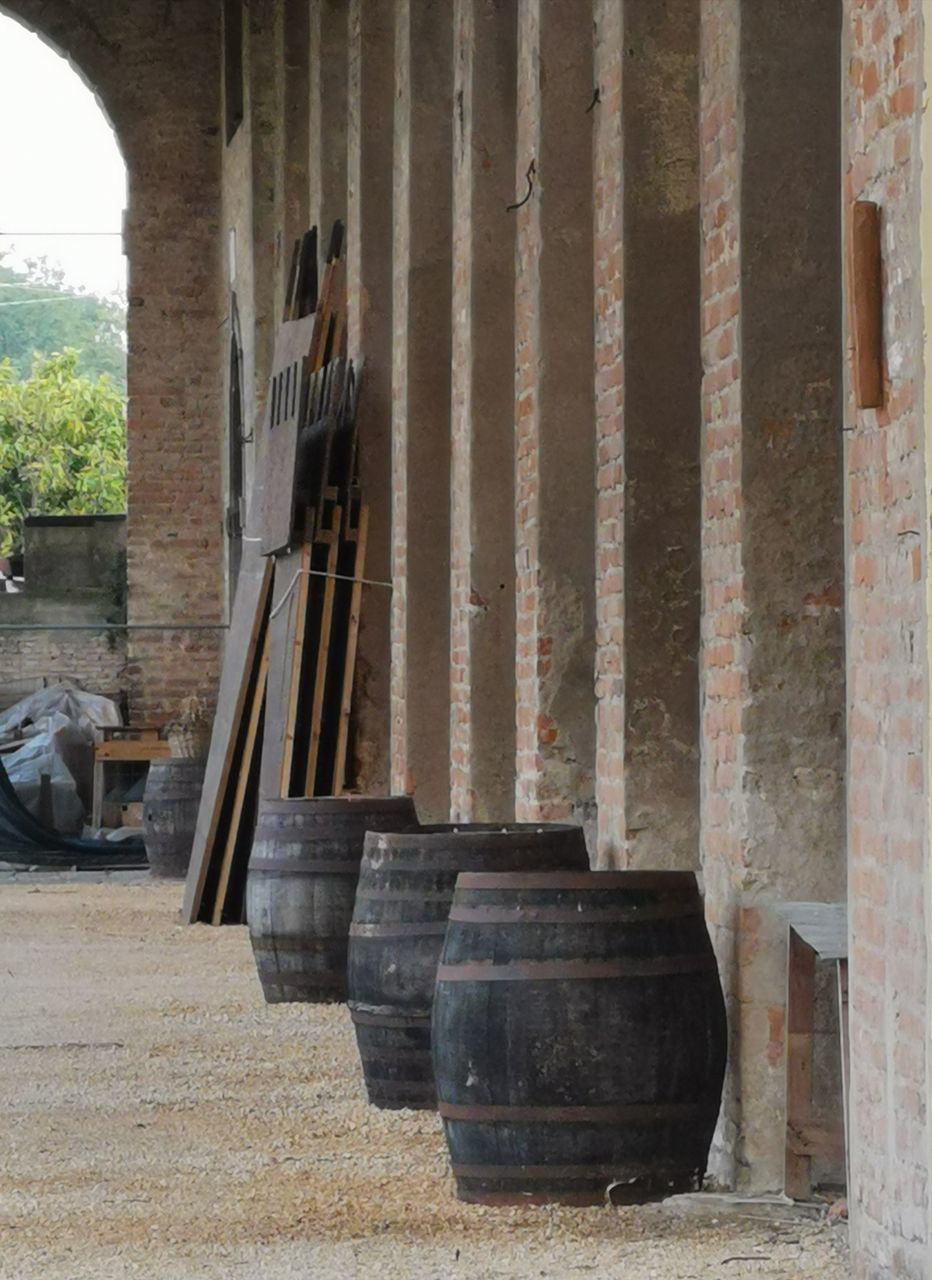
[{"x": 161, "y": 1121}]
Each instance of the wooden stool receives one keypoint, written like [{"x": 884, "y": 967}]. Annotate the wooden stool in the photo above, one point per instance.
[
  {"x": 816, "y": 931},
  {"x": 123, "y": 742}
]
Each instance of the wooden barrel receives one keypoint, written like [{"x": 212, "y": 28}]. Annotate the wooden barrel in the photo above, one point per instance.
[
  {"x": 579, "y": 1037},
  {"x": 169, "y": 814},
  {"x": 300, "y": 888},
  {"x": 406, "y": 885}
]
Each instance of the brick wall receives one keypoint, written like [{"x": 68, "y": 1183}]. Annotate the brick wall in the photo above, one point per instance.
[
  {"x": 887, "y": 680},
  {"x": 157, "y": 75}
]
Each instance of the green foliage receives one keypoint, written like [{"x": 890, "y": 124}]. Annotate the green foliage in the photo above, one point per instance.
[
  {"x": 94, "y": 327},
  {"x": 62, "y": 445}
]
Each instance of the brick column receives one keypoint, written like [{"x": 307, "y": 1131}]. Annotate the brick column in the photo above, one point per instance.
[
  {"x": 371, "y": 88},
  {"x": 329, "y": 31},
  {"x": 555, "y": 430},
  {"x": 296, "y": 151},
  {"x": 772, "y": 675},
  {"x": 662, "y": 374},
  {"x": 482, "y": 645},
  {"x": 422, "y": 265}
]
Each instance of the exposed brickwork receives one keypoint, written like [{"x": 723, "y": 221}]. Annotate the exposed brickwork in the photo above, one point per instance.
[
  {"x": 609, "y": 410},
  {"x": 166, "y": 71},
  {"x": 94, "y": 660},
  {"x": 888, "y": 693}
]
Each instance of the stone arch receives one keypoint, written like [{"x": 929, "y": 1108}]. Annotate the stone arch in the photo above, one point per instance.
[{"x": 155, "y": 71}]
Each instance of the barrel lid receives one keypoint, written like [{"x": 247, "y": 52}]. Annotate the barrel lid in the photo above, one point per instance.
[{"x": 586, "y": 880}]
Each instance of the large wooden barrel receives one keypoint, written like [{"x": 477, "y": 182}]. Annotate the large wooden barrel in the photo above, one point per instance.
[
  {"x": 301, "y": 884},
  {"x": 579, "y": 1037},
  {"x": 169, "y": 814},
  {"x": 406, "y": 885}
]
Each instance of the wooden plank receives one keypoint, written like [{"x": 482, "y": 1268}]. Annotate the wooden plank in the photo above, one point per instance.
[
  {"x": 349, "y": 665},
  {"x": 323, "y": 652},
  {"x": 305, "y": 289},
  {"x": 800, "y": 1023},
  {"x": 842, "y": 976},
  {"x": 866, "y": 287},
  {"x": 131, "y": 750},
  {"x": 294, "y": 660},
  {"x": 817, "y": 1142},
  {"x": 250, "y": 603},
  {"x": 285, "y": 412},
  {"x": 288, "y": 312},
  {"x": 242, "y": 781}
]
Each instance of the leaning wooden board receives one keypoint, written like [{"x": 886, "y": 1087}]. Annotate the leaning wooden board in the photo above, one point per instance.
[
  {"x": 284, "y": 415},
  {"x": 236, "y": 677}
]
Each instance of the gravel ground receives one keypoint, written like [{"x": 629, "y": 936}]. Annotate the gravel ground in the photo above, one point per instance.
[{"x": 161, "y": 1121}]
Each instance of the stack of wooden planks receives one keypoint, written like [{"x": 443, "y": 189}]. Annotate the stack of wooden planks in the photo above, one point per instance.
[{"x": 283, "y": 718}]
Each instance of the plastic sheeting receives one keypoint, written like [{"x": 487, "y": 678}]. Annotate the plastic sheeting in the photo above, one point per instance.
[{"x": 54, "y": 728}]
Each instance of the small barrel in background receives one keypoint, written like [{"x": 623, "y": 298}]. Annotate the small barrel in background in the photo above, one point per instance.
[
  {"x": 301, "y": 884},
  {"x": 579, "y": 1037},
  {"x": 406, "y": 885},
  {"x": 169, "y": 814}
]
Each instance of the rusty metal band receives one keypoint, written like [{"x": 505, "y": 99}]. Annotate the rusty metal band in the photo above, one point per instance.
[
  {"x": 595, "y": 881},
  {"x": 632, "y": 1113},
  {"x": 574, "y": 970},
  {"x": 277, "y": 867},
  {"x": 399, "y": 929},
  {"x": 412, "y": 1022},
  {"x": 402, "y": 895},
  {"x": 568, "y": 915},
  {"x": 620, "y": 1172}
]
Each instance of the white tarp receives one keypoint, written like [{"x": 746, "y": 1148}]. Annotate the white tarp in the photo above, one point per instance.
[{"x": 52, "y": 732}]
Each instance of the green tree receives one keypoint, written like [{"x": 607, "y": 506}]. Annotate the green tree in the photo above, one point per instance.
[
  {"x": 62, "y": 445},
  {"x": 41, "y": 314}
]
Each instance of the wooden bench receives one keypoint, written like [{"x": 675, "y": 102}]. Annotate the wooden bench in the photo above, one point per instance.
[{"x": 123, "y": 742}]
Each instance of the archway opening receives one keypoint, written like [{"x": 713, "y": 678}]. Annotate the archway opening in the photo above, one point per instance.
[{"x": 62, "y": 297}]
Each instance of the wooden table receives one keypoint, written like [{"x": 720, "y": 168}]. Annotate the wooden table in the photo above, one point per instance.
[
  {"x": 123, "y": 742},
  {"x": 817, "y": 931}
]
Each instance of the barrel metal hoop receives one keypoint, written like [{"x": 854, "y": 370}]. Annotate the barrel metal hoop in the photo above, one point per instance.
[
  {"x": 620, "y": 1172},
  {"x": 369, "y": 1018},
  {"x": 399, "y": 929},
  {"x": 401, "y": 1088},
  {"x": 301, "y": 981},
  {"x": 278, "y": 867},
  {"x": 575, "y": 970},
  {"x": 595, "y": 881},
  {"x": 401, "y": 895},
  {"x": 527, "y": 914},
  {"x": 633, "y": 1113}
]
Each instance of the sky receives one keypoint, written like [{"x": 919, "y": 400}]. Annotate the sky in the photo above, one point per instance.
[{"x": 60, "y": 164}]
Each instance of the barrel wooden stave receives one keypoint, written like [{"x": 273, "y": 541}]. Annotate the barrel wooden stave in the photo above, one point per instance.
[
  {"x": 573, "y": 1057},
  {"x": 405, "y": 890},
  {"x": 301, "y": 885},
  {"x": 169, "y": 814}
]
